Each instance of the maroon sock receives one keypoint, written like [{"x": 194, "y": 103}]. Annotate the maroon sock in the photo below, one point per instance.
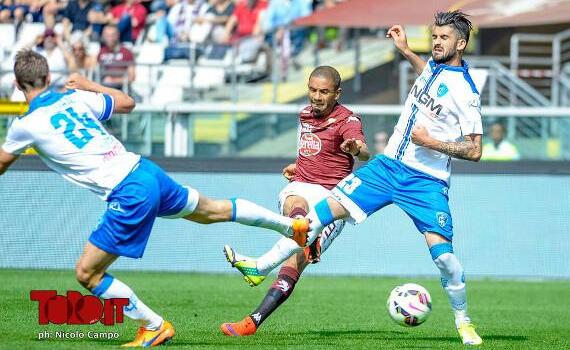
[
  {"x": 280, "y": 290},
  {"x": 297, "y": 212}
]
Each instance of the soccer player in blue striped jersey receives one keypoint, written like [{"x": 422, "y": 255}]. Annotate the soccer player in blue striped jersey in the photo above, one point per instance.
[
  {"x": 441, "y": 119},
  {"x": 65, "y": 130}
]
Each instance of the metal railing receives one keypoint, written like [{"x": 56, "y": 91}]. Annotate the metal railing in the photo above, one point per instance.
[
  {"x": 503, "y": 88},
  {"x": 560, "y": 68},
  {"x": 532, "y": 59},
  {"x": 170, "y": 130}
]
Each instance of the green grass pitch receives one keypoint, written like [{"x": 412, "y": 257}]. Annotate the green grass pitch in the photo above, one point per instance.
[{"x": 323, "y": 313}]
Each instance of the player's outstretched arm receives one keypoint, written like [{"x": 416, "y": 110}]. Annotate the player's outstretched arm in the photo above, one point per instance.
[
  {"x": 398, "y": 35},
  {"x": 469, "y": 149},
  {"x": 123, "y": 103},
  {"x": 356, "y": 148},
  {"x": 6, "y": 159}
]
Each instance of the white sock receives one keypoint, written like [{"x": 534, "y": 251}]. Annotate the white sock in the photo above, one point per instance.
[
  {"x": 281, "y": 251},
  {"x": 285, "y": 247},
  {"x": 453, "y": 282},
  {"x": 316, "y": 227},
  {"x": 110, "y": 287},
  {"x": 251, "y": 214}
]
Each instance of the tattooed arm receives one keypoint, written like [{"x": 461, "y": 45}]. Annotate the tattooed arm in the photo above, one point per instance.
[{"x": 469, "y": 149}]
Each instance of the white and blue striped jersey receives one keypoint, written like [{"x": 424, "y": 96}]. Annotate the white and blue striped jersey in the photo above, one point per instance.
[
  {"x": 65, "y": 130},
  {"x": 446, "y": 102}
]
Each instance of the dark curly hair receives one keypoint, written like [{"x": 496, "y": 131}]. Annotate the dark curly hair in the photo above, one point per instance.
[{"x": 458, "y": 20}]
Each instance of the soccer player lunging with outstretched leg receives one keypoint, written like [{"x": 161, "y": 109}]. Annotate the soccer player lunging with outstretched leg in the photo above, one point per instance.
[
  {"x": 329, "y": 140},
  {"x": 441, "y": 119},
  {"x": 65, "y": 130}
]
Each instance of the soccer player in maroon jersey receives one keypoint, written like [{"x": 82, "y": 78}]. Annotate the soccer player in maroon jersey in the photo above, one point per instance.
[{"x": 330, "y": 137}]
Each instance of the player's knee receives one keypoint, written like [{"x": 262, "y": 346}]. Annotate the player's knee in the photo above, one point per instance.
[
  {"x": 295, "y": 205},
  {"x": 448, "y": 264},
  {"x": 88, "y": 278}
]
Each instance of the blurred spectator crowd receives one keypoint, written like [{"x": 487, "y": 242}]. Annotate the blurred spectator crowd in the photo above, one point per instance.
[{"x": 107, "y": 39}]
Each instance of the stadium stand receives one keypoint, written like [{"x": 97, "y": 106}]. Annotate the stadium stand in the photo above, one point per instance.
[{"x": 208, "y": 62}]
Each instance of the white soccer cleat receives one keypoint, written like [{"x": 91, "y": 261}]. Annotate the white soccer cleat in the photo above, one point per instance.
[{"x": 468, "y": 334}]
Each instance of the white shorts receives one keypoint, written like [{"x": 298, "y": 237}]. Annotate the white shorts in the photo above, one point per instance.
[{"x": 313, "y": 194}]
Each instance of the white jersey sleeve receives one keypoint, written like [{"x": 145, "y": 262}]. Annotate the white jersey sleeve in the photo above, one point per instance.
[
  {"x": 469, "y": 116},
  {"x": 100, "y": 104},
  {"x": 18, "y": 139}
]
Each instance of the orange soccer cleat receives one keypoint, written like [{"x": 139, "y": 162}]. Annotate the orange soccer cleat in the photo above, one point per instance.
[
  {"x": 146, "y": 338},
  {"x": 242, "y": 328},
  {"x": 300, "y": 231}
]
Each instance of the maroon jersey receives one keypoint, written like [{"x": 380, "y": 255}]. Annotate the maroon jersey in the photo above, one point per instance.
[
  {"x": 320, "y": 159},
  {"x": 115, "y": 62}
]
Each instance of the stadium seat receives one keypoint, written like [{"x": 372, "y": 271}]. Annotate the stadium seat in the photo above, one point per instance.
[
  {"x": 151, "y": 53},
  {"x": 164, "y": 94},
  {"x": 200, "y": 32},
  {"x": 146, "y": 77},
  {"x": 246, "y": 70},
  {"x": 58, "y": 28},
  {"x": 8, "y": 35},
  {"x": 222, "y": 58},
  {"x": 175, "y": 75},
  {"x": 28, "y": 34},
  {"x": 207, "y": 78},
  {"x": 17, "y": 96},
  {"x": 7, "y": 79},
  {"x": 171, "y": 84},
  {"x": 6, "y": 83}
]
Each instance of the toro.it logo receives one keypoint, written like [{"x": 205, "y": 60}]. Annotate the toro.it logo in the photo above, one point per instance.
[
  {"x": 309, "y": 144},
  {"x": 75, "y": 308}
]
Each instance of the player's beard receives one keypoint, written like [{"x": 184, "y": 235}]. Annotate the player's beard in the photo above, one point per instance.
[
  {"x": 321, "y": 111},
  {"x": 444, "y": 58}
]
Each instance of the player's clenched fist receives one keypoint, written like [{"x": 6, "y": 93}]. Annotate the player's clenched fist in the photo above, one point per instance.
[
  {"x": 77, "y": 81},
  {"x": 398, "y": 34},
  {"x": 420, "y": 136},
  {"x": 350, "y": 146},
  {"x": 289, "y": 171}
]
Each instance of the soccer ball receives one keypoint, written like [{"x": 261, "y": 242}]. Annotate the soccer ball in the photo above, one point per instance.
[{"x": 409, "y": 305}]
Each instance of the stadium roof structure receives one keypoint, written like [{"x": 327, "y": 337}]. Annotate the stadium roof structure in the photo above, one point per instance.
[{"x": 484, "y": 13}]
